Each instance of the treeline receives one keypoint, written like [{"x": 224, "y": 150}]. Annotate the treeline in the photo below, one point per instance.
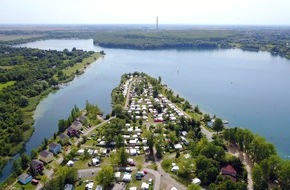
[
  {"x": 269, "y": 169},
  {"x": 160, "y": 40},
  {"x": 274, "y": 40},
  {"x": 30, "y": 73}
]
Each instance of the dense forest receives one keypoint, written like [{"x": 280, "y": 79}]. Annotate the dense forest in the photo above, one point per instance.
[
  {"x": 26, "y": 75},
  {"x": 274, "y": 40}
]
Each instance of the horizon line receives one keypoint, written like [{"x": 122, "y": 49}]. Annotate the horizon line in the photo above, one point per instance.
[{"x": 138, "y": 24}]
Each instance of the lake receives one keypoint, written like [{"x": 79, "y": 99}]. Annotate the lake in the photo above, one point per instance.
[{"x": 249, "y": 89}]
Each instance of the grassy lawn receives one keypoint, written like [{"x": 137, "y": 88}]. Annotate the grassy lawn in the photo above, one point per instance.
[
  {"x": 139, "y": 160},
  {"x": 91, "y": 142},
  {"x": 3, "y": 85},
  {"x": 81, "y": 164},
  {"x": 134, "y": 183},
  {"x": 105, "y": 161},
  {"x": 80, "y": 66},
  {"x": 195, "y": 116}
]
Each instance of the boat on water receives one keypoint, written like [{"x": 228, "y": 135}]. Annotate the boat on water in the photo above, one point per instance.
[{"x": 225, "y": 122}]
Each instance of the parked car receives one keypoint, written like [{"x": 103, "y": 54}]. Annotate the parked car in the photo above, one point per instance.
[
  {"x": 128, "y": 169},
  {"x": 150, "y": 181},
  {"x": 142, "y": 173}
]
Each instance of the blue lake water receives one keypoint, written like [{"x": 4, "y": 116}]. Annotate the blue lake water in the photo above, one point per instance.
[{"x": 249, "y": 89}]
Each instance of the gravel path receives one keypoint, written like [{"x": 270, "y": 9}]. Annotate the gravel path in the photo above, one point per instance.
[{"x": 245, "y": 160}]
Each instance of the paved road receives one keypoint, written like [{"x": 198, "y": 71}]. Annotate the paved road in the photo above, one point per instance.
[
  {"x": 128, "y": 94},
  {"x": 234, "y": 150},
  {"x": 89, "y": 172},
  {"x": 207, "y": 133},
  {"x": 157, "y": 177},
  {"x": 166, "y": 178},
  {"x": 94, "y": 127}
]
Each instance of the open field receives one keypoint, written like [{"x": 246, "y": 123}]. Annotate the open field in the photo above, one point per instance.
[{"x": 79, "y": 67}]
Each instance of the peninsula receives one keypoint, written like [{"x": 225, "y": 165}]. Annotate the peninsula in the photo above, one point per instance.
[{"x": 153, "y": 139}]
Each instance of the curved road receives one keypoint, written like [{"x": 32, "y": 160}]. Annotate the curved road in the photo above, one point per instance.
[{"x": 157, "y": 177}]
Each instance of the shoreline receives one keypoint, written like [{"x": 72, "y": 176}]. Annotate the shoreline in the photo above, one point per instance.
[{"x": 29, "y": 114}]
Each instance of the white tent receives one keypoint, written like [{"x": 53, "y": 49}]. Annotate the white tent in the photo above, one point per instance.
[
  {"x": 133, "y": 141},
  {"x": 133, "y": 152},
  {"x": 196, "y": 181},
  {"x": 117, "y": 175},
  {"x": 175, "y": 168},
  {"x": 127, "y": 177},
  {"x": 95, "y": 161},
  {"x": 144, "y": 186},
  {"x": 70, "y": 163},
  {"x": 90, "y": 186},
  {"x": 178, "y": 146},
  {"x": 81, "y": 151}
]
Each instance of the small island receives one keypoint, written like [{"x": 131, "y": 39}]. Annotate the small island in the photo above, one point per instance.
[{"x": 153, "y": 139}]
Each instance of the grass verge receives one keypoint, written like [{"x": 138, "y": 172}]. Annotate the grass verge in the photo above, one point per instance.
[{"x": 3, "y": 85}]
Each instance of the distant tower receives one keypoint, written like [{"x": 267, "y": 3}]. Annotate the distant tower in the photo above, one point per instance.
[{"x": 157, "y": 23}]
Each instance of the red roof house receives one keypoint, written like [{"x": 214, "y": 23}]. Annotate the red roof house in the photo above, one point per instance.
[{"x": 229, "y": 170}]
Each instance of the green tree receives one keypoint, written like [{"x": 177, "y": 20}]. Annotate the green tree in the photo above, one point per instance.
[
  {"x": 62, "y": 125},
  {"x": 186, "y": 167},
  {"x": 16, "y": 167},
  {"x": 193, "y": 187},
  {"x": 106, "y": 176},
  {"x": 123, "y": 157},
  {"x": 150, "y": 141},
  {"x": 23, "y": 101},
  {"x": 196, "y": 109},
  {"x": 25, "y": 160},
  {"x": 258, "y": 180},
  {"x": 172, "y": 137},
  {"x": 284, "y": 174},
  {"x": 159, "y": 149},
  {"x": 61, "y": 177},
  {"x": 186, "y": 105},
  {"x": 119, "y": 140},
  {"x": 33, "y": 154},
  {"x": 206, "y": 117},
  {"x": 261, "y": 149},
  {"x": 218, "y": 125},
  {"x": 207, "y": 169},
  {"x": 118, "y": 111}
]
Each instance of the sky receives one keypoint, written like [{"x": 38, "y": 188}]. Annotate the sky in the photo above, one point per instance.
[{"x": 192, "y": 12}]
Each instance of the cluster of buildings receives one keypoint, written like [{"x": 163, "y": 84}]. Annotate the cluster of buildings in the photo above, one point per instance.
[
  {"x": 47, "y": 156},
  {"x": 37, "y": 165}
]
